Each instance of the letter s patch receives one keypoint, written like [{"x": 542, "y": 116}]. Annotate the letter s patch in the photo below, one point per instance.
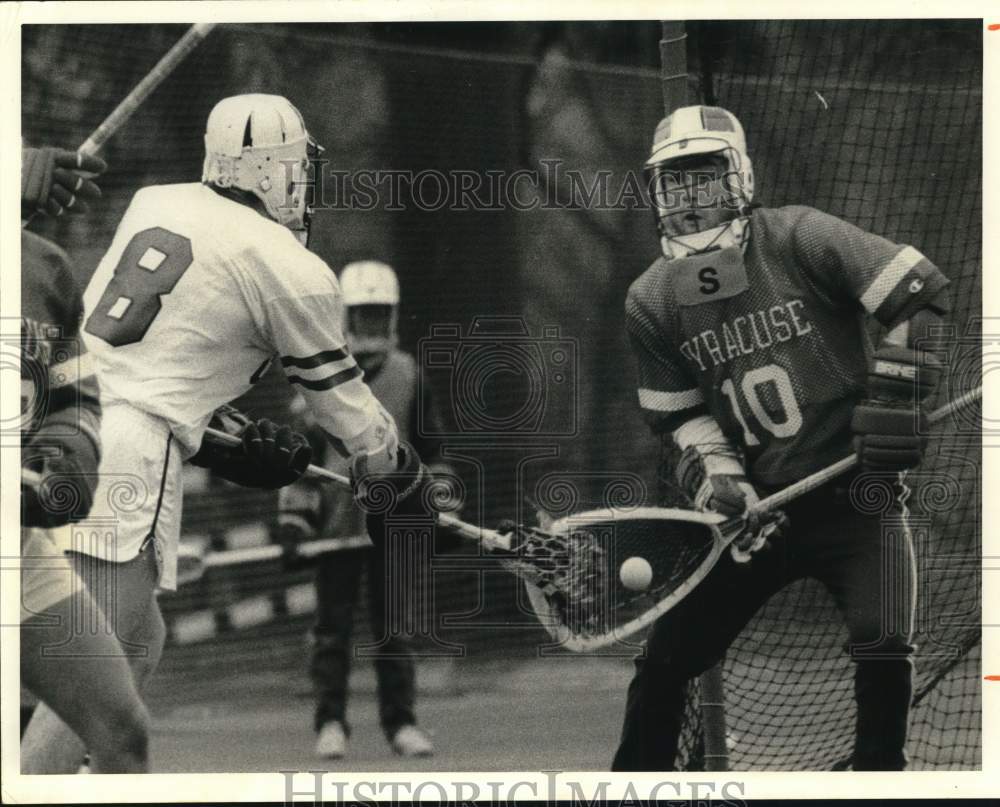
[{"x": 709, "y": 277}]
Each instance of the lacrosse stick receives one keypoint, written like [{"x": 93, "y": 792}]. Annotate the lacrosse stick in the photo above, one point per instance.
[
  {"x": 153, "y": 79},
  {"x": 589, "y": 607},
  {"x": 573, "y": 571}
]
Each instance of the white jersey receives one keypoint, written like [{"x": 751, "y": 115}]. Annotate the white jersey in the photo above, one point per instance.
[{"x": 197, "y": 295}]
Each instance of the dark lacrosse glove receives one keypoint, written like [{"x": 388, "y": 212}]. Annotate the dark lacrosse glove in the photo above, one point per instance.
[
  {"x": 890, "y": 429},
  {"x": 269, "y": 456},
  {"x": 55, "y": 181}
]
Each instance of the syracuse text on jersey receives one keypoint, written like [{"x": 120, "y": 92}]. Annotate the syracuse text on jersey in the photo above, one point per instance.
[{"x": 747, "y": 334}]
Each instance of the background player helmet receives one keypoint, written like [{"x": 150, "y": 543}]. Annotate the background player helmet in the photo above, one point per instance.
[
  {"x": 259, "y": 144},
  {"x": 712, "y": 133},
  {"x": 370, "y": 292}
]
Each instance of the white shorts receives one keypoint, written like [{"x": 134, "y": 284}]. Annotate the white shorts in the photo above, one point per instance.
[
  {"x": 138, "y": 495},
  {"x": 47, "y": 576}
]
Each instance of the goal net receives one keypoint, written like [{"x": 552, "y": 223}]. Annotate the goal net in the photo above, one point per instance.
[{"x": 878, "y": 122}]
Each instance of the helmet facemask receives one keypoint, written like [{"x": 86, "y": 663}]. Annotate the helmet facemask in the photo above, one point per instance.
[
  {"x": 698, "y": 201},
  {"x": 371, "y": 332},
  {"x": 301, "y": 191},
  {"x": 258, "y": 144},
  {"x": 370, "y": 292},
  {"x": 700, "y": 181}
]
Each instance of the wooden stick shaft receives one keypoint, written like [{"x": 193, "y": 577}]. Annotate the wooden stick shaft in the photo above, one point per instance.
[
  {"x": 489, "y": 538},
  {"x": 823, "y": 476},
  {"x": 131, "y": 102}
]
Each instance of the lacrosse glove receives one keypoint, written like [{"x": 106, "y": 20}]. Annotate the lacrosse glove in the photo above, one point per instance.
[
  {"x": 269, "y": 457},
  {"x": 53, "y": 181},
  {"x": 890, "y": 429}
]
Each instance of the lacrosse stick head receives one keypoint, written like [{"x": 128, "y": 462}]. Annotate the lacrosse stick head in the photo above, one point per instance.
[{"x": 571, "y": 570}]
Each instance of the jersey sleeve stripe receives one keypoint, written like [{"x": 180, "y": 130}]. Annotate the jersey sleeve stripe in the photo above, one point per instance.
[
  {"x": 329, "y": 382},
  {"x": 889, "y": 277},
  {"x": 315, "y": 360},
  {"x": 920, "y": 285},
  {"x": 659, "y": 401}
]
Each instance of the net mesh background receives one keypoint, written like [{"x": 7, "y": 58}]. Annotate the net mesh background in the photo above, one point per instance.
[
  {"x": 851, "y": 120},
  {"x": 877, "y": 122}
]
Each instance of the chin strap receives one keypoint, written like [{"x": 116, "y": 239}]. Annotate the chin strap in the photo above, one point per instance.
[{"x": 732, "y": 233}]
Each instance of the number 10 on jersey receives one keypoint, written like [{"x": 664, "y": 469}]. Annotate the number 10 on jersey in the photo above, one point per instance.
[{"x": 750, "y": 388}]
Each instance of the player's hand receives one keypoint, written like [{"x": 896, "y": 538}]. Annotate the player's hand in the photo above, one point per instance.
[
  {"x": 269, "y": 456},
  {"x": 888, "y": 437},
  {"x": 726, "y": 494},
  {"x": 397, "y": 492},
  {"x": 756, "y": 532},
  {"x": 55, "y": 181},
  {"x": 277, "y": 453},
  {"x": 734, "y": 497},
  {"x": 67, "y": 465},
  {"x": 383, "y": 495},
  {"x": 890, "y": 430}
]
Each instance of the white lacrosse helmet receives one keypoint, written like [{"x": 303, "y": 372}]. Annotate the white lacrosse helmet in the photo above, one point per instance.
[
  {"x": 370, "y": 286},
  {"x": 259, "y": 144},
  {"x": 689, "y": 132}
]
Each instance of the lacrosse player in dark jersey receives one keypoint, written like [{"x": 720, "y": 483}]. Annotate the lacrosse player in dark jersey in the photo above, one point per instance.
[
  {"x": 80, "y": 674},
  {"x": 756, "y": 368}
]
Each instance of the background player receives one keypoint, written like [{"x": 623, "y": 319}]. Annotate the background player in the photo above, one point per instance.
[
  {"x": 754, "y": 365},
  {"x": 310, "y": 510},
  {"x": 203, "y": 286},
  {"x": 81, "y": 674}
]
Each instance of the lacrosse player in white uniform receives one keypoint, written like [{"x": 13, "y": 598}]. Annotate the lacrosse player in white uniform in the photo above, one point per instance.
[{"x": 204, "y": 285}]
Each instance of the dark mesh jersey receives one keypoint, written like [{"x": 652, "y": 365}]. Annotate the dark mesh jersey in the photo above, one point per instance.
[
  {"x": 58, "y": 385},
  {"x": 779, "y": 359}
]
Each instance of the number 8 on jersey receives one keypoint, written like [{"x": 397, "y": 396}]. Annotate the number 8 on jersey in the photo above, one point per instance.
[{"x": 151, "y": 264}]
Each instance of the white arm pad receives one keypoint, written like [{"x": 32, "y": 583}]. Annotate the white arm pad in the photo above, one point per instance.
[
  {"x": 705, "y": 453},
  {"x": 703, "y": 434},
  {"x": 380, "y": 441}
]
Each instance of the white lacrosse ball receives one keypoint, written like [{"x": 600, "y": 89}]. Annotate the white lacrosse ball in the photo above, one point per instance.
[{"x": 636, "y": 574}]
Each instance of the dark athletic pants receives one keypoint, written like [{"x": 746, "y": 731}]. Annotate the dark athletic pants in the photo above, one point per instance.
[
  {"x": 865, "y": 559},
  {"x": 338, "y": 576}
]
